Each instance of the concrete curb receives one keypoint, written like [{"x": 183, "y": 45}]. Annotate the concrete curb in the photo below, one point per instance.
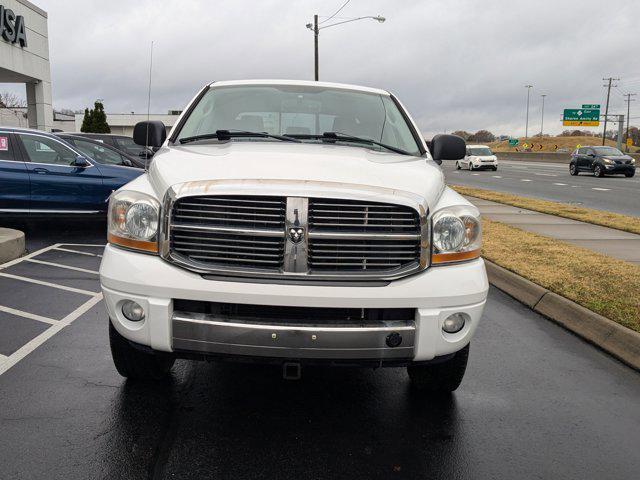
[
  {"x": 11, "y": 244},
  {"x": 618, "y": 341}
]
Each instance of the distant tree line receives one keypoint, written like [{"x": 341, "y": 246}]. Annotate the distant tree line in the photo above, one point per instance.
[{"x": 482, "y": 136}]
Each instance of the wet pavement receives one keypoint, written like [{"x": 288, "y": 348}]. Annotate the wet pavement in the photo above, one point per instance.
[{"x": 537, "y": 402}]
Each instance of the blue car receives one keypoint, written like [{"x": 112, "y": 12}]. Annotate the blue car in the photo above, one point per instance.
[{"x": 41, "y": 174}]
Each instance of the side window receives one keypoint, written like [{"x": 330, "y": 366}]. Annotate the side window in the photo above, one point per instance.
[
  {"x": 128, "y": 145},
  {"x": 46, "y": 150},
  {"x": 99, "y": 153},
  {"x": 6, "y": 149}
]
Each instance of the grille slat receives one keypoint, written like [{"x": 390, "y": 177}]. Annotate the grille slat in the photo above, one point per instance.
[{"x": 229, "y": 231}]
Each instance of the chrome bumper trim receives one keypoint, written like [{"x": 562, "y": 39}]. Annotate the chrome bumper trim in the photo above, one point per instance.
[{"x": 208, "y": 334}]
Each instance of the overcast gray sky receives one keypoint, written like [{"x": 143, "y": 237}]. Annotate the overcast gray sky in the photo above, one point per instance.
[{"x": 454, "y": 64}]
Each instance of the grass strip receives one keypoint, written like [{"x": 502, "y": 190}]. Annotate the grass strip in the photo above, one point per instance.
[
  {"x": 618, "y": 221},
  {"x": 603, "y": 284}
]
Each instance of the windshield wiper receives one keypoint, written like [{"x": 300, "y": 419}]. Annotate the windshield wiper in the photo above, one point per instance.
[
  {"x": 228, "y": 134},
  {"x": 338, "y": 136}
]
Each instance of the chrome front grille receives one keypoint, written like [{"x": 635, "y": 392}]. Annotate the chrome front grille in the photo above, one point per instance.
[
  {"x": 229, "y": 231},
  {"x": 297, "y": 237}
]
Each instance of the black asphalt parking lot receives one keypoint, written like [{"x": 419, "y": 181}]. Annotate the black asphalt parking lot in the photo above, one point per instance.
[{"x": 537, "y": 402}]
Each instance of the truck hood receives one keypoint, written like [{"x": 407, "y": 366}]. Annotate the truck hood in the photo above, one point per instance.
[{"x": 298, "y": 162}]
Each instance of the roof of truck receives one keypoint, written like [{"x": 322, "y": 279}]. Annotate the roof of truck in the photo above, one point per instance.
[{"x": 308, "y": 83}]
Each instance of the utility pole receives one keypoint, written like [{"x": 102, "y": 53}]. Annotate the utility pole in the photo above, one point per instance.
[
  {"x": 629, "y": 100},
  {"x": 316, "y": 32},
  {"x": 542, "y": 119},
  {"x": 606, "y": 109},
  {"x": 526, "y": 128}
]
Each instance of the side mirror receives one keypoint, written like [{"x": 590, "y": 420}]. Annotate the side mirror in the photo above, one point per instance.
[
  {"x": 152, "y": 133},
  {"x": 81, "y": 162},
  {"x": 447, "y": 147}
]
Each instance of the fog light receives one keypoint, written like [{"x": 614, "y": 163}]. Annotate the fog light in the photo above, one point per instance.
[
  {"x": 454, "y": 323},
  {"x": 132, "y": 311}
]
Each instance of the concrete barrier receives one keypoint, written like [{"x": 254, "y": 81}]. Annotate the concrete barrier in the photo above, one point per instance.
[{"x": 11, "y": 244}]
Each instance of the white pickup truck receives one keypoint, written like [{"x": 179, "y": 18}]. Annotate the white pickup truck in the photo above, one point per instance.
[{"x": 294, "y": 223}]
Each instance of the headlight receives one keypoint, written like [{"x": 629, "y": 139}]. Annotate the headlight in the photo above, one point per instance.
[
  {"x": 606, "y": 160},
  {"x": 133, "y": 221},
  {"x": 457, "y": 234},
  {"x": 633, "y": 161}
]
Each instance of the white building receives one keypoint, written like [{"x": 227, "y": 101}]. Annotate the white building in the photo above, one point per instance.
[
  {"x": 123, "y": 123},
  {"x": 24, "y": 58}
]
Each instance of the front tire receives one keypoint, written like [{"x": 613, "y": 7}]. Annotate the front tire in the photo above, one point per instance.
[
  {"x": 598, "y": 171},
  {"x": 136, "y": 364},
  {"x": 573, "y": 170},
  {"x": 443, "y": 377},
  {"x": 629, "y": 174},
  {"x": 458, "y": 167},
  {"x": 470, "y": 167}
]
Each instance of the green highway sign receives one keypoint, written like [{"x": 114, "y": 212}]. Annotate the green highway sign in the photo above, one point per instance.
[
  {"x": 581, "y": 117},
  {"x": 594, "y": 106},
  {"x": 513, "y": 142}
]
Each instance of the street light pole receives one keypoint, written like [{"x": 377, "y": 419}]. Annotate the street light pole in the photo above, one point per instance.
[
  {"x": 526, "y": 128},
  {"x": 542, "y": 119},
  {"x": 315, "y": 27},
  {"x": 316, "y": 31}
]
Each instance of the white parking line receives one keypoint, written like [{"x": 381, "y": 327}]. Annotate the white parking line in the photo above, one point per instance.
[
  {"x": 546, "y": 174},
  {"x": 475, "y": 174},
  {"x": 47, "y": 284},
  {"x": 561, "y": 184},
  {"x": 497, "y": 176},
  {"x": 525, "y": 180},
  {"x": 77, "y": 251},
  {"x": 601, "y": 189},
  {"x": 26, "y": 349},
  {"x": 31, "y": 316},
  {"x": 27, "y": 257},
  {"x": 77, "y": 269}
]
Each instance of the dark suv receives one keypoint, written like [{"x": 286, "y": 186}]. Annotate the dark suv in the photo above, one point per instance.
[{"x": 601, "y": 161}]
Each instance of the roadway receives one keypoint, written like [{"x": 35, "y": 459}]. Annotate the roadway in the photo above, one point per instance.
[
  {"x": 537, "y": 402},
  {"x": 552, "y": 181}
]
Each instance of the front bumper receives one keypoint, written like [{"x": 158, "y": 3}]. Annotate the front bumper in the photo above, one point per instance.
[
  {"x": 153, "y": 283},
  {"x": 620, "y": 168}
]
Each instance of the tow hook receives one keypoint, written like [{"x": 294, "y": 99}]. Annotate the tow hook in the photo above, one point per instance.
[{"x": 291, "y": 371}]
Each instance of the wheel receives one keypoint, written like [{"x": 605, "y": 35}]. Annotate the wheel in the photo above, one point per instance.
[
  {"x": 598, "y": 172},
  {"x": 458, "y": 167},
  {"x": 136, "y": 364},
  {"x": 495, "y": 169},
  {"x": 470, "y": 166},
  {"x": 573, "y": 170},
  {"x": 629, "y": 174},
  {"x": 440, "y": 377}
]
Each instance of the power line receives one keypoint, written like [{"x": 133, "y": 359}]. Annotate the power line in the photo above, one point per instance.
[{"x": 336, "y": 12}]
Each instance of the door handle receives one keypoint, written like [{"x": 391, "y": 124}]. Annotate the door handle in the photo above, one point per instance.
[{"x": 41, "y": 171}]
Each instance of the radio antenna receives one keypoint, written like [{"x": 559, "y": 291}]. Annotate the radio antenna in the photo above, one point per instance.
[{"x": 146, "y": 146}]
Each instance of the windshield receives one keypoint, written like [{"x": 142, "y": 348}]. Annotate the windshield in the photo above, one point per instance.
[
  {"x": 607, "y": 151},
  {"x": 301, "y": 111},
  {"x": 480, "y": 152}
]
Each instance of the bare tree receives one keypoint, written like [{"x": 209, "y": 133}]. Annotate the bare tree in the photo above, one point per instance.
[{"x": 11, "y": 100}]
